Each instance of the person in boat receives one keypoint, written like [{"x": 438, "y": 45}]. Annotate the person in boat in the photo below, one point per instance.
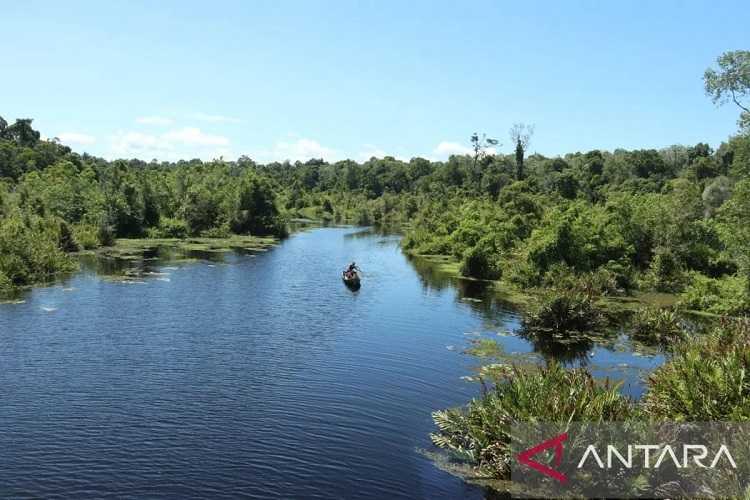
[{"x": 351, "y": 270}]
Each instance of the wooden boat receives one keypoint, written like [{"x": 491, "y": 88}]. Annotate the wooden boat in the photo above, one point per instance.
[{"x": 351, "y": 279}]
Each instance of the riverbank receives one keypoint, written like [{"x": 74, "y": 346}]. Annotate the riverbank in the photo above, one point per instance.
[
  {"x": 130, "y": 248},
  {"x": 451, "y": 268}
]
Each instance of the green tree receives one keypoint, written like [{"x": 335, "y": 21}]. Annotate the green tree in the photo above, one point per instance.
[
  {"x": 731, "y": 82},
  {"x": 520, "y": 136}
]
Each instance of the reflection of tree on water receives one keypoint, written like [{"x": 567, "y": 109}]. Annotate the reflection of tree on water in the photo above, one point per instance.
[
  {"x": 478, "y": 295},
  {"x": 143, "y": 262},
  {"x": 430, "y": 274},
  {"x": 568, "y": 348},
  {"x": 368, "y": 232}
]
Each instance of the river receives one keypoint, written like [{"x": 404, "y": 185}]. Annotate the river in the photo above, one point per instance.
[{"x": 255, "y": 375}]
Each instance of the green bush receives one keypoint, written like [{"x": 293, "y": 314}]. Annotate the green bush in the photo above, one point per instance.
[
  {"x": 66, "y": 240},
  {"x": 665, "y": 273},
  {"x": 657, "y": 326},
  {"x": 86, "y": 235},
  {"x": 170, "y": 228},
  {"x": 480, "y": 432},
  {"x": 610, "y": 280},
  {"x": 106, "y": 233},
  {"x": 6, "y": 286},
  {"x": 706, "y": 378},
  {"x": 30, "y": 250},
  {"x": 217, "y": 232},
  {"x": 564, "y": 312},
  {"x": 481, "y": 261},
  {"x": 726, "y": 296}
]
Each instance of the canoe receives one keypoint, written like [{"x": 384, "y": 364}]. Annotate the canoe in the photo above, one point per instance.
[{"x": 352, "y": 281}]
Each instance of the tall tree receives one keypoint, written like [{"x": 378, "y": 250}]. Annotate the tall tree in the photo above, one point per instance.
[
  {"x": 520, "y": 135},
  {"x": 22, "y": 132},
  {"x": 480, "y": 146},
  {"x": 731, "y": 82}
]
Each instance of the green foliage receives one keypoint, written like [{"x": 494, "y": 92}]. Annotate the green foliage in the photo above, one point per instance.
[
  {"x": 665, "y": 273},
  {"x": 480, "y": 432},
  {"x": 727, "y": 295},
  {"x": 731, "y": 82},
  {"x": 86, "y": 236},
  {"x": 6, "y": 285},
  {"x": 30, "y": 250},
  {"x": 706, "y": 378},
  {"x": 564, "y": 312},
  {"x": 254, "y": 210},
  {"x": 657, "y": 326},
  {"x": 170, "y": 228},
  {"x": 596, "y": 222},
  {"x": 480, "y": 261}
]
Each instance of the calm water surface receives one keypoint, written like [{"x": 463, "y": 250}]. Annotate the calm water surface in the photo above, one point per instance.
[{"x": 252, "y": 375}]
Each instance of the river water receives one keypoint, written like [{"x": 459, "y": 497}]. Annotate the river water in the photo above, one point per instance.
[{"x": 252, "y": 375}]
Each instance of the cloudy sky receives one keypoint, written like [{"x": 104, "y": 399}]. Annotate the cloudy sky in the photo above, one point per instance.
[{"x": 353, "y": 79}]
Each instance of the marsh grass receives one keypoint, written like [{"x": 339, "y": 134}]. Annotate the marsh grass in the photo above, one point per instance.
[
  {"x": 706, "y": 379},
  {"x": 133, "y": 249},
  {"x": 658, "y": 326},
  {"x": 559, "y": 312},
  {"x": 479, "y": 432}
]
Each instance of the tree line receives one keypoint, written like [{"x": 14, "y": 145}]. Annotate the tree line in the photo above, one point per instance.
[{"x": 672, "y": 219}]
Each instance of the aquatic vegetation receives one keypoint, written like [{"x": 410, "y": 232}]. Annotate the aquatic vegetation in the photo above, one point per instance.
[
  {"x": 134, "y": 249},
  {"x": 564, "y": 312},
  {"x": 479, "y": 432},
  {"x": 658, "y": 326},
  {"x": 706, "y": 379},
  {"x": 485, "y": 348}
]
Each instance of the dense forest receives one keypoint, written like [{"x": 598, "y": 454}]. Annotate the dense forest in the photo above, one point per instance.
[{"x": 671, "y": 220}]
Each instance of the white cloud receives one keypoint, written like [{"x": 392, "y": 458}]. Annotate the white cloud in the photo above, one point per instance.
[
  {"x": 183, "y": 143},
  {"x": 299, "y": 150},
  {"x": 215, "y": 118},
  {"x": 445, "y": 149},
  {"x": 154, "y": 120},
  {"x": 194, "y": 136},
  {"x": 76, "y": 138},
  {"x": 368, "y": 151}
]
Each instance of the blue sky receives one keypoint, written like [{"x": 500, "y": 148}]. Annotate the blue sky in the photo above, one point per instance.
[{"x": 284, "y": 79}]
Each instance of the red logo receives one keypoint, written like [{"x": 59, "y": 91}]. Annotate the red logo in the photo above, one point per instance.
[{"x": 556, "y": 442}]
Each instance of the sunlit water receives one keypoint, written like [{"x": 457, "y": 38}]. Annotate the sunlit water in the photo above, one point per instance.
[{"x": 252, "y": 375}]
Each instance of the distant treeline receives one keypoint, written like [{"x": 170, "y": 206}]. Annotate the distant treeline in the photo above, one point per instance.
[{"x": 669, "y": 220}]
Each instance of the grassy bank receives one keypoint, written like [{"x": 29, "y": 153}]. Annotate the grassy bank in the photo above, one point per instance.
[
  {"x": 450, "y": 267},
  {"x": 703, "y": 380},
  {"x": 132, "y": 248}
]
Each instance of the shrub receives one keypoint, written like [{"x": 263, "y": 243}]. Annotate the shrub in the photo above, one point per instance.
[
  {"x": 86, "y": 235},
  {"x": 480, "y": 262},
  {"x": 66, "y": 240},
  {"x": 657, "y": 326},
  {"x": 603, "y": 281},
  {"x": 726, "y": 296},
  {"x": 30, "y": 251},
  {"x": 6, "y": 286},
  {"x": 106, "y": 233},
  {"x": 665, "y": 273},
  {"x": 217, "y": 232},
  {"x": 706, "y": 378},
  {"x": 169, "y": 228},
  {"x": 480, "y": 432},
  {"x": 564, "y": 311}
]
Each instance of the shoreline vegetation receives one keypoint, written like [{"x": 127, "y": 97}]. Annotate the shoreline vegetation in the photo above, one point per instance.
[{"x": 655, "y": 232}]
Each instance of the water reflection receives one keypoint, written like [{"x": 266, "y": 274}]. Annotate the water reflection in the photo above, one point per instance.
[
  {"x": 609, "y": 353},
  {"x": 569, "y": 349}
]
